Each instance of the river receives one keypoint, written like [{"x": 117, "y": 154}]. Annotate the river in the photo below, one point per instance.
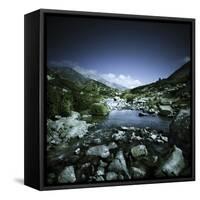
[{"x": 117, "y": 118}]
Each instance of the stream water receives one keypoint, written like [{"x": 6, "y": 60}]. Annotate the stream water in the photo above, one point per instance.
[{"x": 117, "y": 118}]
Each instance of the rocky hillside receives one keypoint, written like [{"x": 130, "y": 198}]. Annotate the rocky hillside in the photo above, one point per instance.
[
  {"x": 68, "y": 90},
  {"x": 165, "y": 97}
]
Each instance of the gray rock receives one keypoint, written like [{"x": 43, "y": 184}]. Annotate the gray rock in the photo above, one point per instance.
[
  {"x": 139, "y": 151},
  {"x": 119, "y": 164},
  {"x": 165, "y": 101},
  {"x": 100, "y": 150},
  {"x": 67, "y": 175},
  {"x": 97, "y": 141},
  {"x": 164, "y": 138},
  {"x": 67, "y": 127},
  {"x": 112, "y": 145},
  {"x": 111, "y": 176},
  {"x": 165, "y": 110},
  {"x": 173, "y": 165},
  {"x": 141, "y": 114},
  {"x": 102, "y": 164},
  {"x": 100, "y": 171},
  {"x": 137, "y": 172},
  {"x": 99, "y": 178},
  {"x": 120, "y": 135}
]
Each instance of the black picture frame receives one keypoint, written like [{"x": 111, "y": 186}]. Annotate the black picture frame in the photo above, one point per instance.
[{"x": 35, "y": 98}]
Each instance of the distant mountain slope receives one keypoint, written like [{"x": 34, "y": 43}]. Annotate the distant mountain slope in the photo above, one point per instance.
[
  {"x": 172, "y": 93},
  {"x": 69, "y": 74},
  {"x": 182, "y": 74},
  {"x": 98, "y": 78},
  {"x": 179, "y": 76}
]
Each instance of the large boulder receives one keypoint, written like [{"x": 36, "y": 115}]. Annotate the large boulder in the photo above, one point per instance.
[
  {"x": 119, "y": 164},
  {"x": 174, "y": 165},
  {"x": 180, "y": 132},
  {"x": 67, "y": 127},
  {"x": 67, "y": 175},
  {"x": 139, "y": 151},
  {"x": 98, "y": 109},
  {"x": 100, "y": 150}
]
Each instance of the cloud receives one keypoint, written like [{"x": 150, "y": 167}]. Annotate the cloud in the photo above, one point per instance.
[
  {"x": 186, "y": 59},
  {"x": 121, "y": 79},
  {"x": 124, "y": 80}
]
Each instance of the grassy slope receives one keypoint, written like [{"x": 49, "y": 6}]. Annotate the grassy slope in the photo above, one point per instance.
[{"x": 79, "y": 92}]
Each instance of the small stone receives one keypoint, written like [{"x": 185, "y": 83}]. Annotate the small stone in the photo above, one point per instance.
[
  {"x": 99, "y": 178},
  {"x": 124, "y": 128},
  {"x": 120, "y": 135},
  {"x": 141, "y": 114},
  {"x": 165, "y": 139},
  {"x": 160, "y": 141},
  {"x": 153, "y": 137},
  {"x": 112, "y": 145},
  {"x": 100, "y": 171},
  {"x": 137, "y": 172},
  {"x": 77, "y": 151},
  {"x": 102, "y": 164}
]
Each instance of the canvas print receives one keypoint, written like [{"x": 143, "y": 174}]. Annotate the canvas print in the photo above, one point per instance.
[{"x": 118, "y": 95}]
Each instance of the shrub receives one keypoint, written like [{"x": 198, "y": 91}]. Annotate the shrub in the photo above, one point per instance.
[
  {"x": 99, "y": 109},
  {"x": 129, "y": 97}
]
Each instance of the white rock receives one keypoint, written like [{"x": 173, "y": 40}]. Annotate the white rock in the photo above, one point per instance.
[
  {"x": 64, "y": 90},
  {"x": 153, "y": 136},
  {"x": 165, "y": 139},
  {"x": 49, "y": 78},
  {"x": 77, "y": 151}
]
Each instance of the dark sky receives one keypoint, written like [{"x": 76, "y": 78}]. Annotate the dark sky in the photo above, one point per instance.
[{"x": 142, "y": 50}]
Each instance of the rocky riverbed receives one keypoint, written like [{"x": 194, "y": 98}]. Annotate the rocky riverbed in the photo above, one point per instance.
[{"x": 79, "y": 152}]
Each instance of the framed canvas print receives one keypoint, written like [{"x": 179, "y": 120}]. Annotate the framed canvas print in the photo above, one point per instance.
[{"x": 109, "y": 99}]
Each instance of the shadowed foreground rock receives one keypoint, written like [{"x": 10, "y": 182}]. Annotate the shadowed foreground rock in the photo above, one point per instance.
[
  {"x": 119, "y": 164},
  {"x": 174, "y": 164},
  {"x": 180, "y": 132}
]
